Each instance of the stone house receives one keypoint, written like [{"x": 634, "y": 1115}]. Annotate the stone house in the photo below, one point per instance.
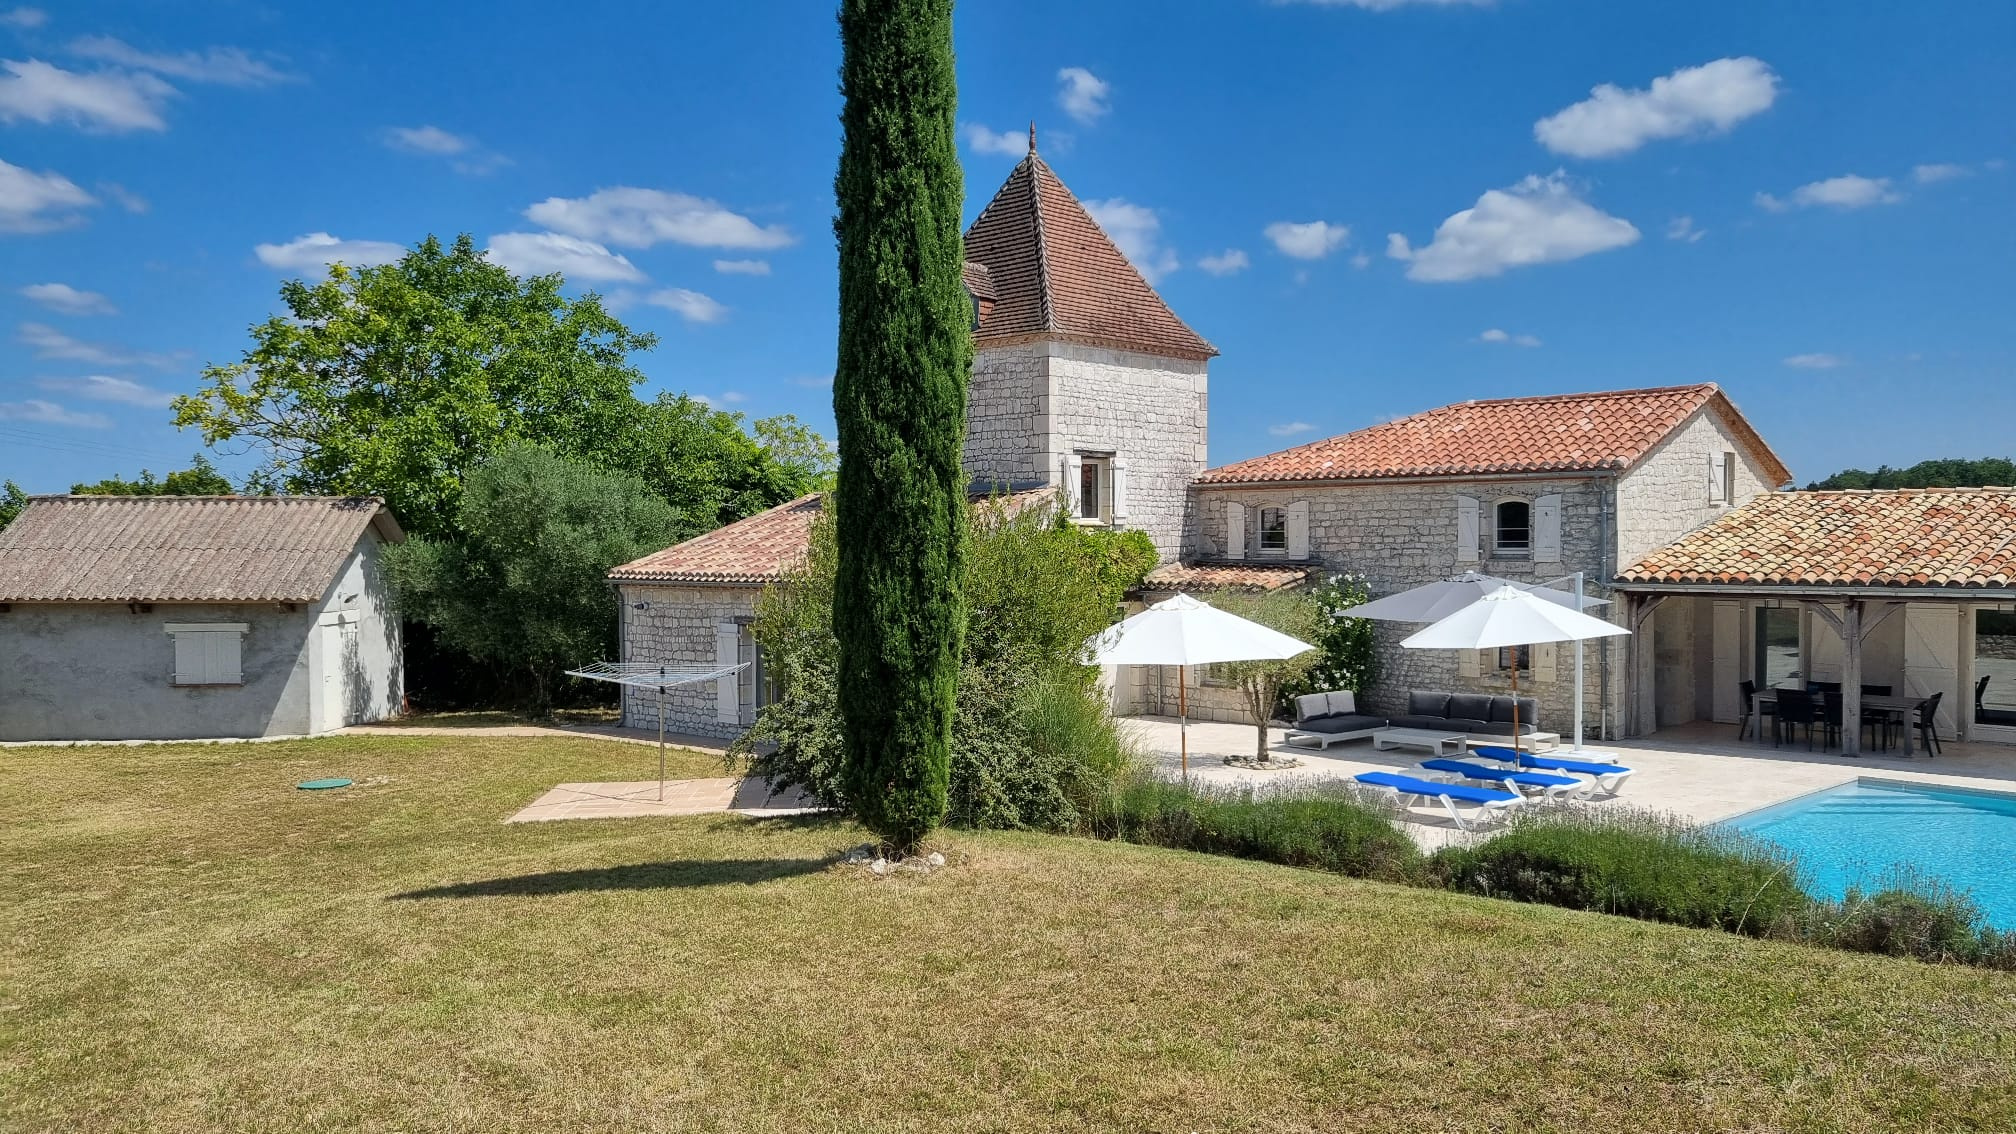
[
  {"x": 1530, "y": 489},
  {"x": 185, "y": 617}
]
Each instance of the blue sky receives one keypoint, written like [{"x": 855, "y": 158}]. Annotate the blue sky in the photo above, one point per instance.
[{"x": 1807, "y": 202}]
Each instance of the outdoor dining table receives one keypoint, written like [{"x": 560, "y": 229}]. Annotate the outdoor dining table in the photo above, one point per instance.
[{"x": 1754, "y": 727}]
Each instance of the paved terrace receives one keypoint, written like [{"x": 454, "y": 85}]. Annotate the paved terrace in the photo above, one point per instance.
[{"x": 1699, "y": 772}]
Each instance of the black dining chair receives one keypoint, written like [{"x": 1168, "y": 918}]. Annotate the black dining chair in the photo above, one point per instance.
[
  {"x": 1880, "y": 721},
  {"x": 1795, "y": 707},
  {"x": 1875, "y": 690},
  {"x": 1749, "y": 689},
  {"x": 1980, "y": 687},
  {"x": 1928, "y": 724},
  {"x": 1831, "y": 710}
]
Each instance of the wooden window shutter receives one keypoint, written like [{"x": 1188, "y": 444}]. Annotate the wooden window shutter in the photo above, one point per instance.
[
  {"x": 1235, "y": 530},
  {"x": 1118, "y": 507},
  {"x": 223, "y": 654},
  {"x": 1298, "y": 530},
  {"x": 190, "y": 659},
  {"x": 1074, "y": 483},
  {"x": 1467, "y": 664},
  {"x": 1467, "y": 540},
  {"x": 727, "y": 689},
  {"x": 1714, "y": 478},
  {"x": 1543, "y": 662},
  {"x": 1547, "y": 529}
]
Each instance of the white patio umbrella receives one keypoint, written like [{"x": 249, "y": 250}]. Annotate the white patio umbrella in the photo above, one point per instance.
[
  {"x": 1509, "y": 616},
  {"x": 1431, "y": 602},
  {"x": 1181, "y": 631}
]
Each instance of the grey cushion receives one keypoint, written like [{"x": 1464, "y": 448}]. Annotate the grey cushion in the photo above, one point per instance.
[
  {"x": 1342, "y": 701},
  {"x": 1311, "y": 705},
  {"x": 1503, "y": 728},
  {"x": 1470, "y": 706},
  {"x": 1422, "y": 703},
  {"x": 1462, "y": 724},
  {"x": 1501, "y": 710},
  {"x": 1344, "y": 722},
  {"x": 1415, "y": 720}
]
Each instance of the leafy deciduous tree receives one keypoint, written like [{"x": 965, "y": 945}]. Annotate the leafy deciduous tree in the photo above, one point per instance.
[
  {"x": 201, "y": 478},
  {"x": 1293, "y": 613},
  {"x": 12, "y": 500},
  {"x": 1948, "y": 473},
  {"x": 899, "y": 397}
]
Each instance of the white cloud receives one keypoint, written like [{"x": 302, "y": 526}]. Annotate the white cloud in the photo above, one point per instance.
[
  {"x": 688, "y": 305},
  {"x": 1361, "y": 260},
  {"x": 742, "y": 267},
  {"x": 50, "y": 343},
  {"x": 26, "y": 19},
  {"x": 319, "y": 250},
  {"x": 109, "y": 101},
  {"x": 639, "y": 218},
  {"x": 1083, "y": 95},
  {"x": 543, "y": 253},
  {"x": 1691, "y": 101},
  {"x": 1138, "y": 233},
  {"x": 1308, "y": 240},
  {"x": 49, "y": 413},
  {"x": 1001, "y": 143},
  {"x": 105, "y": 388},
  {"x": 1814, "y": 361},
  {"x": 1540, "y": 220},
  {"x": 66, "y": 300},
  {"x": 1682, "y": 228},
  {"x": 1849, "y": 191},
  {"x": 1495, "y": 335},
  {"x": 1290, "y": 428},
  {"x": 228, "y": 66},
  {"x": 465, "y": 153},
  {"x": 1938, "y": 171},
  {"x": 1225, "y": 263},
  {"x": 127, "y": 199}
]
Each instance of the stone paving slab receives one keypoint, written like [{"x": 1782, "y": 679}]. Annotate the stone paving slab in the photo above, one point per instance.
[{"x": 633, "y": 798}]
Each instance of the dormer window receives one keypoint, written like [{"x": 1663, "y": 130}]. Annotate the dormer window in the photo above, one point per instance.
[
  {"x": 1512, "y": 532},
  {"x": 1095, "y": 488},
  {"x": 1273, "y": 529}
]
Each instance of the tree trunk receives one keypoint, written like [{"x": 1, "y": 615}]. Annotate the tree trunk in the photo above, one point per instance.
[{"x": 899, "y": 400}]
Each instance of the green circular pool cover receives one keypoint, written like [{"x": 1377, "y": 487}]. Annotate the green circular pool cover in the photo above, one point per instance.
[{"x": 318, "y": 785}]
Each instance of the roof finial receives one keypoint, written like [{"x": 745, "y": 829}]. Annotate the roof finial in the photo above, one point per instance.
[{"x": 1032, "y": 137}]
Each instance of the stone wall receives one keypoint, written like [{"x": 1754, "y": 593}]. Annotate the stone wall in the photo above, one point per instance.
[
  {"x": 677, "y": 627},
  {"x": 1003, "y": 442},
  {"x": 1149, "y": 412},
  {"x": 1669, "y": 492}
]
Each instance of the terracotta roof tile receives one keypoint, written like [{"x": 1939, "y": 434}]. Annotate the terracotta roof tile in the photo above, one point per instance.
[
  {"x": 1907, "y": 537},
  {"x": 183, "y": 548},
  {"x": 1054, "y": 271},
  {"x": 1226, "y": 576},
  {"x": 1558, "y": 433}
]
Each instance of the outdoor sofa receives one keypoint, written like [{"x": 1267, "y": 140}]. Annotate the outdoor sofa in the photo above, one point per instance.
[{"x": 1322, "y": 719}]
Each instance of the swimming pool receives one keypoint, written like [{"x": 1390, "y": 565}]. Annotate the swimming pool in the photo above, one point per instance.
[{"x": 1857, "y": 833}]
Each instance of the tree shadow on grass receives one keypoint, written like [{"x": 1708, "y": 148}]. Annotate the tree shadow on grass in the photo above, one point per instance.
[{"x": 685, "y": 874}]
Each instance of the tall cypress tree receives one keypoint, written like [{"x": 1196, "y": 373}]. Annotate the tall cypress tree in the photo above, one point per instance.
[{"x": 899, "y": 398}]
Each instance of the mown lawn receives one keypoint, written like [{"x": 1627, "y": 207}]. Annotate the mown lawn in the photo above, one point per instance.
[{"x": 191, "y": 945}]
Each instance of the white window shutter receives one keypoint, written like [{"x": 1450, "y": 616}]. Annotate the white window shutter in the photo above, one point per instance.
[
  {"x": 1235, "y": 530},
  {"x": 1715, "y": 478},
  {"x": 1467, "y": 663},
  {"x": 727, "y": 691},
  {"x": 190, "y": 659},
  {"x": 1543, "y": 662},
  {"x": 1547, "y": 529},
  {"x": 222, "y": 653},
  {"x": 1119, "y": 478},
  {"x": 1466, "y": 529},
  {"x": 1298, "y": 530},
  {"x": 1074, "y": 483}
]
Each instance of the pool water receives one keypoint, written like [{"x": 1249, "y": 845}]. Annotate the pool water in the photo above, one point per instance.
[{"x": 1862, "y": 833}]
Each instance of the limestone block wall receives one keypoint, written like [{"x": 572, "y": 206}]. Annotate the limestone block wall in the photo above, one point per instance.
[
  {"x": 1669, "y": 492},
  {"x": 1148, "y": 411},
  {"x": 678, "y": 627},
  {"x": 1003, "y": 441}
]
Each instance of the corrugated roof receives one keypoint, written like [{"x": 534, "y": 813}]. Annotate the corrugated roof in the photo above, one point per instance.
[
  {"x": 1226, "y": 576},
  {"x": 1054, "y": 271},
  {"x": 1556, "y": 433},
  {"x": 183, "y": 548},
  {"x": 1905, "y": 537}
]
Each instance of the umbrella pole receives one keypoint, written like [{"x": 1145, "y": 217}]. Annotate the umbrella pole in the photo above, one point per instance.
[
  {"x": 1515, "y": 708},
  {"x": 1183, "y": 716},
  {"x": 661, "y": 744}
]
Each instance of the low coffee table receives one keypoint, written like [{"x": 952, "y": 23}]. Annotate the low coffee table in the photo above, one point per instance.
[{"x": 1435, "y": 741}]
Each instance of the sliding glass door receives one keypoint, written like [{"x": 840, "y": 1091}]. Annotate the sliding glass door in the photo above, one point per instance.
[{"x": 1995, "y": 668}]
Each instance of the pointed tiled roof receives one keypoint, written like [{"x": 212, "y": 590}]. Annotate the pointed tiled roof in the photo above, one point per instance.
[
  {"x": 1557, "y": 433},
  {"x": 1055, "y": 272},
  {"x": 1902, "y": 537},
  {"x": 183, "y": 548}
]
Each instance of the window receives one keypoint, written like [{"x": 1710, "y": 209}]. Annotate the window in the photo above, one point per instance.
[
  {"x": 1519, "y": 656},
  {"x": 753, "y": 687},
  {"x": 1513, "y": 528},
  {"x": 1273, "y": 529},
  {"x": 1777, "y": 647},
  {"x": 1728, "y": 477},
  {"x": 1095, "y": 488},
  {"x": 207, "y": 653},
  {"x": 1995, "y": 667}
]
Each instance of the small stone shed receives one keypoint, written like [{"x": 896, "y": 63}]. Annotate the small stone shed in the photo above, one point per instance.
[{"x": 189, "y": 617}]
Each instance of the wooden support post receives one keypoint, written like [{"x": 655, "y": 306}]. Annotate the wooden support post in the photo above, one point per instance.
[{"x": 1851, "y": 679}]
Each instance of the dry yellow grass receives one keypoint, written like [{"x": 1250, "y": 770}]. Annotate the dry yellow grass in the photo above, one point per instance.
[{"x": 194, "y": 945}]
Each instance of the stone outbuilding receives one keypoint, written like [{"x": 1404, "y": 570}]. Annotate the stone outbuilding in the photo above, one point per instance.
[{"x": 187, "y": 617}]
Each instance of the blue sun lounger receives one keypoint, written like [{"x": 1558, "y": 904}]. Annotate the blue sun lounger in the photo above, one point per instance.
[
  {"x": 1554, "y": 788},
  {"x": 1485, "y": 803},
  {"x": 1606, "y": 778}
]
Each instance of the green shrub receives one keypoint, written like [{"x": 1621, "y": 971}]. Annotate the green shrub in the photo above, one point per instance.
[
  {"x": 1910, "y": 916},
  {"x": 1635, "y": 864},
  {"x": 1324, "y": 827}
]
